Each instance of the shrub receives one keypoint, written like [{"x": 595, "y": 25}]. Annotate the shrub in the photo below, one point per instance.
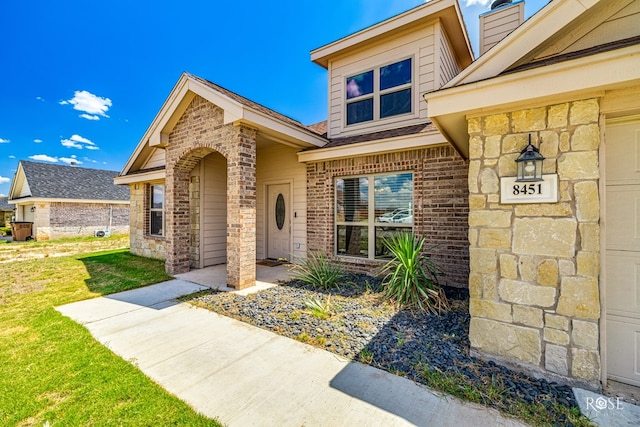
[
  {"x": 319, "y": 271},
  {"x": 411, "y": 277},
  {"x": 319, "y": 309}
]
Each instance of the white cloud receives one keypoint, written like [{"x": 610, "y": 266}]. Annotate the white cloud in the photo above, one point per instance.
[
  {"x": 70, "y": 160},
  {"x": 77, "y": 141},
  {"x": 4, "y": 141},
  {"x": 4, "y": 179},
  {"x": 44, "y": 158},
  {"x": 39, "y": 98},
  {"x": 89, "y": 117},
  {"x": 90, "y": 104},
  {"x": 3, "y": 195},
  {"x": 474, "y": 2},
  {"x": 37, "y": 141},
  {"x": 12, "y": 156},
  {"x": 86, "y": 159}
]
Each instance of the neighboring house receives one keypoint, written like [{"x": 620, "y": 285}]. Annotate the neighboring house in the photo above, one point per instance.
[
  {"x": 218, "y": 178},
  {"x": 6, "y": 212},
  {"x": 68, "y": 201}
]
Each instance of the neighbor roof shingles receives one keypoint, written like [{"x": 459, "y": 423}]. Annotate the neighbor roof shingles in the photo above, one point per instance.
[{"x": 70, "y": 182}]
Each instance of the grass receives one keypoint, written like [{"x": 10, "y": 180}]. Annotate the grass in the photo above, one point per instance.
[{"x": 51, "y": 369}]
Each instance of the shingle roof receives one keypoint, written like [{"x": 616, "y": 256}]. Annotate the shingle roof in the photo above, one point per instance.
[
  {"x": 4, "y": 204},
  {"x": 70, "y": 182},
  {"x": 390, "y": 133}
]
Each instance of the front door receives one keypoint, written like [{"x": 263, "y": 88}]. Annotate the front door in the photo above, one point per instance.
[
  {"x": 622, "y": 252},
  {"x": 279, "y": 222}
]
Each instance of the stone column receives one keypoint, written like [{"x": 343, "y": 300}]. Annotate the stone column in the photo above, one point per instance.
[{"x": 241, "y": 209}]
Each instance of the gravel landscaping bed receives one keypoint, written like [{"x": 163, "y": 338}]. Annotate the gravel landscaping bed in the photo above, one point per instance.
[{"x": 424, "y": 348}]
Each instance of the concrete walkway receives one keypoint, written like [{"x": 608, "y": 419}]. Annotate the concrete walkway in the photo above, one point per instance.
[{"x": 246, "y": 376}]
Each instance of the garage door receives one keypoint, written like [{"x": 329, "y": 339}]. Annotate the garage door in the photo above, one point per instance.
[{"x": 622, "y": 252}]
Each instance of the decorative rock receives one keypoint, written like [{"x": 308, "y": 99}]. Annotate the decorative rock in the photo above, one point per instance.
[
  {"x": 495, "y": 238},
  {"x": 555, "y": 359},
  {"x": 588, "y": 264},
  {"x": 567, "y": 267},
  {"x": 529, "y": 120},
  {"x": 508, "y": 266},
  {"x": 565, "y": 138},
  {"x": 514, "y": 143},
  {"x": 525, "y": 294},
  {"x": 492, "y": 146},
  {"x": 502, "y": 339},
  {"x": 527, "y": 268},
  {"x": 475, "y": 147},
  {"x": 507, "y": 164},
  {"x": 580, "y": 165},
  {"x": 558, "y": 115},
  {"x": 579, "y": 297},
  {"x": 587, "y": 111},
  {"x": 545, "y": 237},
  {"x": 548, "y": 273},
  {"x": 482, "y": 260},
  {"x": 587, "y": 201},
  {"x": 488, "y": 218},
  {"x": 473, "y": 236},
  {"x": 474, "y": 125},
  {"x": 585, "y": 364},
  {"x": 555, "y": 336},
  {"x": 497, "y": 124},
  {"x": 489, "y": 182},
  {"x": 490, "y": 310},
  {"x": 544, "y": 209},
  {"x": 586, "y": 137},
  {"x": 590, "y": 236},
  {"x": 585, "y": 334},
  {"x": 556, "y": 322},
  {"x": 474, "y": 171},
  {"x": 477, "y": 201},
  {"x": 475, "y": 285},
  {"x": 528, "y": 316}
]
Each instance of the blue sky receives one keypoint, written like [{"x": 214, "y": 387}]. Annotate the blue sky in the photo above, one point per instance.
[{"x": 82, "y": 80}]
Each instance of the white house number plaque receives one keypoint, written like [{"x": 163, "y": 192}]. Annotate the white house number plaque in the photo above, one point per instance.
[{"x": 545, "y": 191}]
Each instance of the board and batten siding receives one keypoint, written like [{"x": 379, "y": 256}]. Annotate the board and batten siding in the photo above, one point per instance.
[
  {"x": 449, "y": 67},
  {"x": 419, "y": 45},
  {"x": 278, "y": 164},
  {"x": 213, "y": 209},
  {"x": 156, "y": 159}
]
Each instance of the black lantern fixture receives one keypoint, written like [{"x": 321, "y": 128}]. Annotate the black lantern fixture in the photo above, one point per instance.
[{"x": 529, "y": 164}]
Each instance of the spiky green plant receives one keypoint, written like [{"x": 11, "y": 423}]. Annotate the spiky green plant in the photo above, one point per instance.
[
  {"x": 319, "y": 271},
  {"x": 411, "y": 277},
  {"x": 318, "y": 308}
]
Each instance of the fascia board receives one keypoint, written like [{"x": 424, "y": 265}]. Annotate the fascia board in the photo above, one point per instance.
[
  {"x": 286, "y": 131},
  {"x": 32, "y": 200},
  {"x": 321, "y": 55},
  {"x": 18, "y": 176},
  {"x": 140, "y": 177},
  {"x": 387, "y": 145},
  {"x": 524, "y": 39}
]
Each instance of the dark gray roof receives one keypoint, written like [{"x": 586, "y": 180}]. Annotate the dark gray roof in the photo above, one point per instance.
[
  {"x": 4, "y": 204},
  {"x": 51, "y": 181}
]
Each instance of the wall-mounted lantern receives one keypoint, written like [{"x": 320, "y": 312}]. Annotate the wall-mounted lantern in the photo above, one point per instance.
[{"x": 529, "y": 164}]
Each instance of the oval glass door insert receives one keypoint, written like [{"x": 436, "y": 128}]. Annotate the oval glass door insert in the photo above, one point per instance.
[{"x": 280, "y": 211}]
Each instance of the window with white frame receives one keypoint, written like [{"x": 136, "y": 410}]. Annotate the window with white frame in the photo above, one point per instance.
[
  {"x": 369, "y": 209},
  {"x": 379, "y": 93},
  {"x": 156, "y": 210}
]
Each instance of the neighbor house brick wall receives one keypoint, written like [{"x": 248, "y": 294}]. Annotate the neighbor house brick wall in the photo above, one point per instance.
[
  {"x": 59, "y": 219},
  {"x": 141, "y": 243},
  {"x": 534, "y": 287},
  {"x": 199, "y": 132},
  {"x": 440, "y": 197}
]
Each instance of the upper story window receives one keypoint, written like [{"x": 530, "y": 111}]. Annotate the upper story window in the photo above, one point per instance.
[{"x": 379, "y": 93}]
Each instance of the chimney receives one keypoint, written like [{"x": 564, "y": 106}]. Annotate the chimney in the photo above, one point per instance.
[{"x": 504, "y": 17}]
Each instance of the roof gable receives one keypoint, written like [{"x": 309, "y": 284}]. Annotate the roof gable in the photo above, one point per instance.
[
  {"x": 49, "y": 181},
  {"x": 559, "y": 27}
]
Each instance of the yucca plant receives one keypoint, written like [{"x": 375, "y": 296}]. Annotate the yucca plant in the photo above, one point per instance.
[
  {"x": 319, "y": 271},
  {"x": 411, "y": 277}
]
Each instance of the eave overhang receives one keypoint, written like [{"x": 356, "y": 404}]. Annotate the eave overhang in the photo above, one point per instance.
[
  {"x": 561, "y": 82},
  {"x": 28, "y": 200}
]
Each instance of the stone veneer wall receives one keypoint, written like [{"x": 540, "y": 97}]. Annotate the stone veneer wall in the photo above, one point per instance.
[
  {"x": 440, "y": 188},
  {"x": 534, "y": 274},
  {"x": 141, "y": 243}
]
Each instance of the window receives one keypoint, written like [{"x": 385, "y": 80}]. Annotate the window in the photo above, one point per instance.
[
  {"x": 156, "y": 210},
  {"x": 369, "y": 209},
  {"x": 380, "y": 93}
]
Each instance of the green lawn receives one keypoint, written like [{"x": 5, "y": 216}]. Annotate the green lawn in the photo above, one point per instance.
[{"x": 52, "y": 370}]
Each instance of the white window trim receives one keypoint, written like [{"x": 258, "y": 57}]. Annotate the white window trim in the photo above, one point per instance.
[
  {"x": 152, "y": 209},
  {"x": 377, "y": 93},
  {"x": 371, "y": 210}
]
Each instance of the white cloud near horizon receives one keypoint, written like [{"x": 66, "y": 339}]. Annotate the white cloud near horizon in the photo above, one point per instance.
[
  {"x": 92, "y": 106},
  {"x": 44, "y": 158},
  {"x": 79, "y": 142},
  {"x": 4, "y": 141},
  {"x": 477, "y": 2},
  {"x": 37, "y": 141},
  {"x": 4, "y": 179},
  {"x": 70, "y": 160}
]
